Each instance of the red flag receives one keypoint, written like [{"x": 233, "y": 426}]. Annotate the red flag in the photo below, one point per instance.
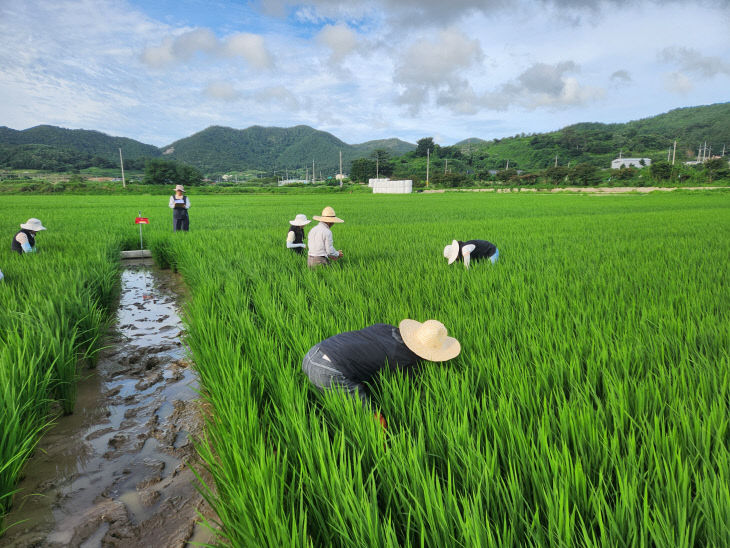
[{"x": 141, "y": 221}]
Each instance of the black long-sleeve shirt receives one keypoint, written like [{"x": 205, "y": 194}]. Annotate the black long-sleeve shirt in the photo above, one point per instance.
[{"x": 359, "y": 355}]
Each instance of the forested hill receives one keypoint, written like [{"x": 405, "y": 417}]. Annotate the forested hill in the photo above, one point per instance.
[
  {"x": 93, "y": 143},
  {"x": 220, "y": 149},
  {"x": 598, "y": 143}
]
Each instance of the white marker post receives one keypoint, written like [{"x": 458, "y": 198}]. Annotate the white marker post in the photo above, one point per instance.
[{"x": 141, "y": 221}]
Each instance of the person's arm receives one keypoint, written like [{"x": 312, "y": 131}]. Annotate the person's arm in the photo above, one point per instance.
[
  {"x": 1, "y": 276},
  {"x": 330, "y": 247},
  {"x": 290, "y": 241},
  {"x": 172, "y": 202},
  {"x": 187, "y": 202},
  {"x": 466, "y": 253},
  {"x": 22, "y": 239}
]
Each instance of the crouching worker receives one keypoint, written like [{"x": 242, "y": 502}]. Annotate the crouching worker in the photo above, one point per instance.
[
  {"x": 350, "y": 359},
  {"x": 24, "y": 240},
  {"x": 472, "y": 250},
  {"x": 295, "y": 236},
  {"x": 321, "y": 247}
]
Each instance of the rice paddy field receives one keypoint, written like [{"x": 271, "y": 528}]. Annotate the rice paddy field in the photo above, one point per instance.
[{"x": 589, "y": 406}]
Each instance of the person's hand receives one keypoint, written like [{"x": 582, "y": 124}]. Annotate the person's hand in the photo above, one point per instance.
[
  {"x": 380, "y": 418},
  {"x": 340, "y": 252}
]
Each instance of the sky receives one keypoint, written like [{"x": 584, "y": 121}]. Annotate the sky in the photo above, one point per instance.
[{"x": 159, "y": 71}]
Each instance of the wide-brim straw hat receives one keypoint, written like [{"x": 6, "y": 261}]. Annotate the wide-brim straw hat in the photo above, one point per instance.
[
  {"x": 300, "y": 220},
  {"x": 180, "y": 188},
  {"x": 328, "y": 216},
  {"x": 451, "y": 252},
  {"x": 429, "y": 340},
  {"x": 33, "y": 224}
]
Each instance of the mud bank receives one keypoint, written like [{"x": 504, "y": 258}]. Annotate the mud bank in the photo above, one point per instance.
[{"x": 116, "y": 472}]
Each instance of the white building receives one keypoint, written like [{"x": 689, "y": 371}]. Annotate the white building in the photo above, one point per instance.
[
  {"x": 386, "y": 186},
  {"x": 630, "y": 162}
]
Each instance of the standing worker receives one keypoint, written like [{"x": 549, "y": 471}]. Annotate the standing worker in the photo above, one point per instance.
[
  {"x": 295, "y": 236},
  {"x": 347, "y": 360},
  {"x": 472, "y": 250},
  {"x": 321, "y": 246},
  {"x": 179, "y": 203},
  {"x": 24, "y": 240}
]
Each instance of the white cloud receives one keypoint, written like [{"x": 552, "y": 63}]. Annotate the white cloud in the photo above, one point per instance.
[
  {"x": 693, "y": 61},
  {"x": 621, "y": 77},
  {"x": 340, "y": 39},
  {"x": 222, "y": 91},
  {"x": 183, "y": 47},
  {"x": 435, "y": 66},
  {"x": 676, "y": 82}
]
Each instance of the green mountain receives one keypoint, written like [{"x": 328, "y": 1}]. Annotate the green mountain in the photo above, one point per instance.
[
  {"x": 92, "y": 143},
  {"x": 598, "y": 143},
  {"x": 221, "y": 149}
]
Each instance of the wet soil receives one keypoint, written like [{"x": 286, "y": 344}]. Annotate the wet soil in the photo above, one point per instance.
[{"x": 117, "y": 472}]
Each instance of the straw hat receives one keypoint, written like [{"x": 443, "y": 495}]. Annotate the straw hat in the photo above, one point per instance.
[
  {"x": 328, "y": 216},
  {"x": 429, "y": 340},
  {"x": 180, "y": 188},
  {"x": 33, "y": 225},
  {"x": 300, "y": 220},
  {"x": 451, "y": 252}
]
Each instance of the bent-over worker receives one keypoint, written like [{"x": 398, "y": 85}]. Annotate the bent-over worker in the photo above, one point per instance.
[
  {"x": 471, "y": 250},
  {"x": 321, "y": 247},
  {"x": 24, "y": 239},
  {"x": 180, "y": 203},
  {"x": 348, "y": 360},
  {"x": 295, "y": 236}
]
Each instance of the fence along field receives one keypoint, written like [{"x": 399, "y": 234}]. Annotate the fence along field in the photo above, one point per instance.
[{"x": 589, "y": 405}]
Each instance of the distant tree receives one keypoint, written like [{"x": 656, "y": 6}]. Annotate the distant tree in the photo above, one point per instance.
[
  {"x": 506, "y": 174},
  {"x": 384, "y": 165},
  {"x": 362, "y": 169},
  {"x": 716, "y": 168},
  {"x": 166, "y": 172},
  {"x": 624, "y": 173},
  {"x": 556, "y": 174},
  {"x": 422, "y": 145},
  {"x": 585, "y": 174},
  {"x": 660, "y": 171}
]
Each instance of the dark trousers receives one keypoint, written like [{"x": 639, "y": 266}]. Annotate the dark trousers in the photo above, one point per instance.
[
  {"x": 325, "y": 375},
  {"x": 180, "y": 220}
]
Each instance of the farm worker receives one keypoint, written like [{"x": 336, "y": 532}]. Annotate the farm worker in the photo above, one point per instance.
[
  {"x": 347, "y": 360},
  {"x": 472, "y": 250},
  {"x": 179, "y": 203},
  {"x": 295, "y": 236},
  {"x": 321, "y": 247},
  {"x": 24, "y": 240}
]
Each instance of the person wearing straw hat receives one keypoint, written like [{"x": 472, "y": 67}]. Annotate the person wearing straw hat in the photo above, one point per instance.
[
  {"x": 295, "y": 236},
  {"x": 351, "y": 359},
  {"x": 471, "y": 250},
  {"x": 24, "y": 240},
  {"x": 321, "y": 247},
  {"x": 179, "y": 203}
]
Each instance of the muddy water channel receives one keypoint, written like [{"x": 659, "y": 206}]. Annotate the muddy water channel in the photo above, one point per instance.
[{"x": 116, "y": 472}]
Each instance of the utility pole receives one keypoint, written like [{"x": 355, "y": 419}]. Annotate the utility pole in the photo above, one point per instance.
[
  {"x": 556, "y": 160},
  {"x": 377, "y": 166},
  {"x": 314, "y": 173},
  {"x": 674, "y": 152},
  {"x": 340, "y": 168},
  {"x": 669, "y": 153},
  {"x": 446, "y": 165},
  {"x": 428, "y": 161},
  {"x": 507, "y": 164},
  {"x": 121, "y": 162}
]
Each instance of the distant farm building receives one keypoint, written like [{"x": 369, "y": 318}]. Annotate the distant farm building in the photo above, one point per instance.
[
  {"x": 630, "y": 162},
  {"x": 386, "y": 186}
]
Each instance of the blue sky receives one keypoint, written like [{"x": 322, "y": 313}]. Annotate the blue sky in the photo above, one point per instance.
[{"x": 160, "y": 71}]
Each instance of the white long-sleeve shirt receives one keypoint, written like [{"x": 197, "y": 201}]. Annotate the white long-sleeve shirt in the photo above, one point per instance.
[
  {"x": 182, "y": 200},
  {"x": 320, "y": 242}
]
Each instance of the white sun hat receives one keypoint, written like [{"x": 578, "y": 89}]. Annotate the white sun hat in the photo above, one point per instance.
[
  {"x": 180, "y": 188},
  {"x": 328, "y": 216},
  {"x": 429, "y": 340},
  {"x": 33, "y": 224},
  {"x": 300, "y": 220},
  {"x": 451, "y": 252}
]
